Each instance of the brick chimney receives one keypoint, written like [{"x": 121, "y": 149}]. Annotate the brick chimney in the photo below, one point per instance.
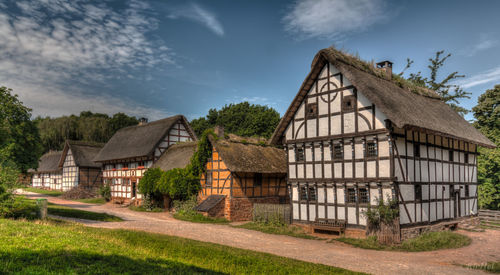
[
  {"x": 219, "y": 131},
  {"x": 386, "y": 66},
  {"x": 143, "y": 121}
]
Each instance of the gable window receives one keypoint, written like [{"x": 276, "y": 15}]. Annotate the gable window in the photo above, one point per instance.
[
  {"x": 299, "y": 154},
  {"x": 450, "y": 156},
  {"x": 418, "y": 192},
  {"x": 257, "y": 180},
  {"x": 416, "y": 150},
  {"x": 351, "y": 195},
  {"x": 312, "y": 193},
  {"x": 338, "y": 151},
  {"x": 312, "y": 110},
  {"x": 363, "y": 195},
  {"x": 348, "y": 103},
  {"x": 371, "y": 149}
]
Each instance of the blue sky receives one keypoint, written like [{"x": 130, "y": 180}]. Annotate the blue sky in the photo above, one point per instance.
[{"x": 158, "y": 58}]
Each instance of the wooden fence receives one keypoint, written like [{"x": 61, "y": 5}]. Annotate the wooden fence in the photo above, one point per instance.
[
  {"x": 272, "y": 213},
  {"x": 490, "y": 218}
]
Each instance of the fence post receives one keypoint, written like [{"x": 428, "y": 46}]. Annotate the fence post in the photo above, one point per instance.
[{"x": 41, "y": 208}]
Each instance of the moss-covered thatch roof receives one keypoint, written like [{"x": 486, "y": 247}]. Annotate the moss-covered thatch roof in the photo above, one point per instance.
[
  {"x": 176, "y": 156},
  {"x": 83, "y": 153},
  {"x": 48, "y": 163},
  {"x": 139, "y": 140},
  {"x": 250, "y": 155},
  {"x": 406, "y": 105}
]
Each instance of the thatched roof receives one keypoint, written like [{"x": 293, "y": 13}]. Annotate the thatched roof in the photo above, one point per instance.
[
  {"x": 48, "y": 163},
  {"x": 239, "y": 155},
  {"x": 83, "y": 153},
  {"x": 139, "y": 140},
  {"x": 176, "y": 156},
  {"x": 405, "y": 105}
]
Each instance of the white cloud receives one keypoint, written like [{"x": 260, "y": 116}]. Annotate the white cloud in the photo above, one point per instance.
[
  {"x": 489, "y": 76},
  {"x": 332, "y": 19},
  {"x": 52, "y": 49},
  {"x": 485, "y": 42},
  {"x": 198, "y": 14}
]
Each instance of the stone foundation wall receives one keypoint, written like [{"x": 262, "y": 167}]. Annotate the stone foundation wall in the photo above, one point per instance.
[
  {"x": 240, "y": 209},
  {"x": 412, "y": 232}
]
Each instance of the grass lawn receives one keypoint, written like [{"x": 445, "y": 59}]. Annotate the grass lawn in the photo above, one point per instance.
[
  {"x": 52, "y": 247},
  {"x": 278, "y": 229},
  {"x": 493, "y": 267},
  {"x": 425, "y": 242},
  {"x": 51, "y": 193},
  {"x": 93, "y": 200},
  {"x": 65, "y": 211},
  {"x": 144, "y": 209},
  {"x": 192, "y": 216}
]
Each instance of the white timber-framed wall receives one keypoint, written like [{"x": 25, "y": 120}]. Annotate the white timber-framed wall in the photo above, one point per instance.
[
  {"x": 52, "y": 180},
  {"x": 341, "y": 161},
  {"x": 70, "y": 172}
]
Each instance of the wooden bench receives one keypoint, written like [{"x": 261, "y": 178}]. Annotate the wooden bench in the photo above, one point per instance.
[{"x": 329, "y": 225}]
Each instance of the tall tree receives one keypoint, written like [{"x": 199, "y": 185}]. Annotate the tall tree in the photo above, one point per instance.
[
  {"x": 487, "y": 115},
  {"x": 242, "y": 119},
  {"x": 93, "y": 127},
  {"x": 19, "y": 137},
  {"x": 450, "y": 93}
]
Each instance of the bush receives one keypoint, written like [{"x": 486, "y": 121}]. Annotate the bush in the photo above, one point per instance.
[
  {"x": 186, "y": 205},
  {"x": 179, "y": 184},
  {"x": 382, "y": 213},
  {"x": 105, "y": 192},
  {"x": 17, "y": 207}
]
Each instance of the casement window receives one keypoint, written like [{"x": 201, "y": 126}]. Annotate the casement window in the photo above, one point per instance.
[
  {"x": 351, "y": 195},
  {"x": 418, "y": 192},
  {"x": 416, "y": 150},
  {"x": 452, "y": 192},
  {"x": 467, "y": 194},
  {"x": 338, "y": 151},
  {"x": 348, "y": 103},
  {"x": 312, "y": 110},
  {"x": 466, "y": 158},
  {"x": 208, "y": 183},
  {"x": 299, "y": 154},
  {"x": 450, "y": 156},
  {"x": 364, "y": 195},
  {"x": 312, "y": 193},
  {"x": 371, "y": 149},
  {"x": 257, "y": 179},
  {"x": 303, "y": 193}
]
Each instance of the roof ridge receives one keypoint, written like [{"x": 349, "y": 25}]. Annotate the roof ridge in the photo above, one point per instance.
[{"x": 367, "y": 67}]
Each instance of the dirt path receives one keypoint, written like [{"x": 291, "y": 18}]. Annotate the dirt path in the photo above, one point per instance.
[{"x": 485, "y": 246}]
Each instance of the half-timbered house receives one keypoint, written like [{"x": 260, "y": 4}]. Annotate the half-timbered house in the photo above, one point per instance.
[
  {"x": 240, "y": 173},
  {"x": 48, "y": 175},
  {"x": 355, "y": 134},
  {"x": 132, "y": 150},
  {"x": 78, "y": 166}
]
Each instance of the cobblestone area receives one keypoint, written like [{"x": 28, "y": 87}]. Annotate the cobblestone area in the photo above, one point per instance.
[{"x": 485, "y": 246}]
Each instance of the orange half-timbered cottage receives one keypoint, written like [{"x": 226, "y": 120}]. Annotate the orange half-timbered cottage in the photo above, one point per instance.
[
  {"x": 240, "y": 173},
  {"x": 132, "y": 150}
]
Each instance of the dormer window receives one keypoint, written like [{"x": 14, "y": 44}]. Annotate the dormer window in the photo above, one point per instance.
[{"x": 312, "y": 110}]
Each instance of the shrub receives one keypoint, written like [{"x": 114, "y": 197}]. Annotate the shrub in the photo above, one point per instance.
[
  {"x": 105, "y": 192},
  {"x": 382, "y": 213}
]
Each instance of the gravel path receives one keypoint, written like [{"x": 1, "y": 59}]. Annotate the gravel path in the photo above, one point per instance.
[{"x": 485, "y": 246}]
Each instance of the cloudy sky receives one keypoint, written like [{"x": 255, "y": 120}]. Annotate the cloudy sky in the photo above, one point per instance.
[{"x": 158, "y": 58}]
